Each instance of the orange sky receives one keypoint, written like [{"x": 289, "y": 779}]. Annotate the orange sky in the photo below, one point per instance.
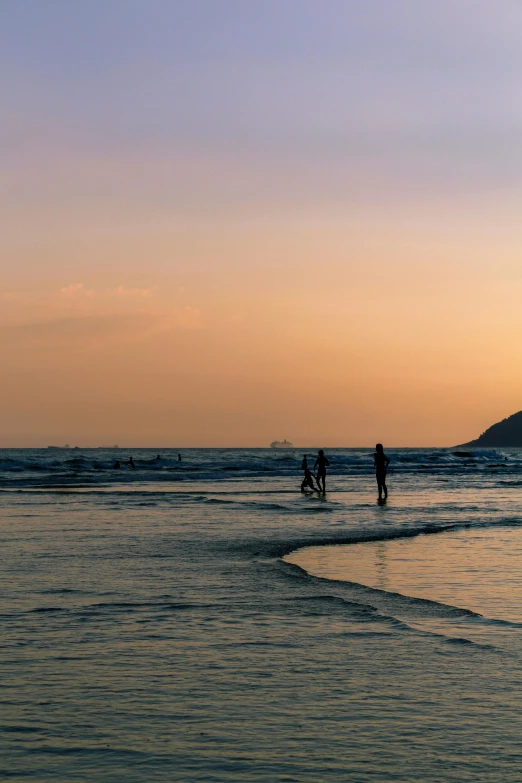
[
  {"x": 192, "y": 291},
  {"x": 325, "y": 331}
]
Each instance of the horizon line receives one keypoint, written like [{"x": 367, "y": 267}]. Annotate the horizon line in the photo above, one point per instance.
[{"x": 250, "y": 448}]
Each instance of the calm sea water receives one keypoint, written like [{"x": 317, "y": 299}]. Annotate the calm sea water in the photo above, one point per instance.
[{"x": 151, "y": 630}]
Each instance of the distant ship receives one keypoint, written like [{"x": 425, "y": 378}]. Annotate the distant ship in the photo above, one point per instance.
[{"x": 281, "y": 444}]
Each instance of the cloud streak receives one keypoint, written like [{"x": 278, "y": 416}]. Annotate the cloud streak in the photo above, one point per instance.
[
  {"x": 79, "y": 289},
  {"x": 100, "y": 328},
  {"x": 73, "y": 290},
  {"x": 144, "y": 293}
]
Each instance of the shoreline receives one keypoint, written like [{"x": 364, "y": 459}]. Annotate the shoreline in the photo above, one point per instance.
[{"x": 474, "y": 570}]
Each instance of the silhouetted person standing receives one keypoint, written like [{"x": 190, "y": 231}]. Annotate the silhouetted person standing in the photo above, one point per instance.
[
  {"x": 179, "y": 457},
  {"x": 131, "y": 463},
  {"x": 320, "y": 463},
  {"x": 381, "y": 462}
]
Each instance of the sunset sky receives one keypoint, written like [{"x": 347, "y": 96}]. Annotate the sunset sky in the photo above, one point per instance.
[{"x": 226, "y": 222}]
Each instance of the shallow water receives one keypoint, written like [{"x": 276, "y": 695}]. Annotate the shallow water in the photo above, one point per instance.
[
  {"x": 152, "y": 632},
  {"x": 479, "y": 570}
]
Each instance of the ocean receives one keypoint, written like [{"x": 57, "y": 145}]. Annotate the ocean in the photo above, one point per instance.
[{"x": 204, "y": 620}]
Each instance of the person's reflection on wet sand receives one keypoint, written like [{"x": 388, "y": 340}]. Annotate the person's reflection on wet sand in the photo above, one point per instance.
[{"x": 381, "y": 565}]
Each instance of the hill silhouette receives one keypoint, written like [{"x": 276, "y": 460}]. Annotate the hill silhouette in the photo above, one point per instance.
[{"x": 507, "y": 432}]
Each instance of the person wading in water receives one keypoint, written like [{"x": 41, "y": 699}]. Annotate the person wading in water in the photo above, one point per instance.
[
  {"x": 320, "y": 463},
  {"x": 381, "y": 462}
]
